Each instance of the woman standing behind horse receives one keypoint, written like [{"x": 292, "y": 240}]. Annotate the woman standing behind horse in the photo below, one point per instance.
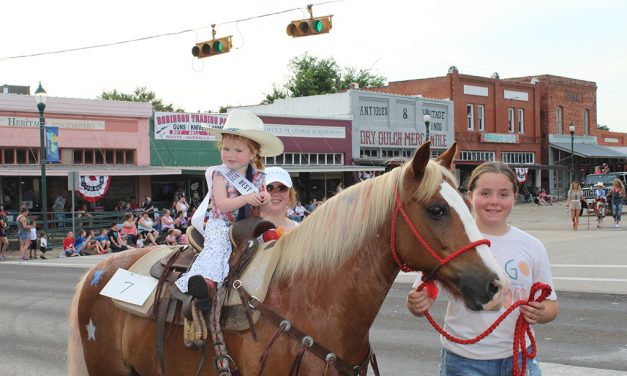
[
  {"x": 616, "y": 196},
  {"x": 574, "y": 203},
  {"x": 234, "y": 187},
  {"x": 282, "y": 196}
]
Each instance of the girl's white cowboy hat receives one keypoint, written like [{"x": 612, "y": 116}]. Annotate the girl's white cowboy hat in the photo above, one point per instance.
[{"x": 246, "y": 124}]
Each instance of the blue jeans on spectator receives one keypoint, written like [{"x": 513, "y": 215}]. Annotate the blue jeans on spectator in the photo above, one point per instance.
[
  {"x": 616, "y": 211},
  {"x": 454, "y": 365}
]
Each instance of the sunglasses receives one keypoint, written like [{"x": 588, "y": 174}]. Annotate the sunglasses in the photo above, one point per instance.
[{"x": 280, "y": 188}]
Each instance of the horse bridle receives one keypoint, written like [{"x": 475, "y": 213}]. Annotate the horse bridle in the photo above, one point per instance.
[{"x": 442, "y": 261}]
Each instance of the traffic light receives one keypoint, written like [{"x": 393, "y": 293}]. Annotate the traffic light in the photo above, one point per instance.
[
  {"x": 310, "y": 26},
  {"x": 212, "y": 47}
]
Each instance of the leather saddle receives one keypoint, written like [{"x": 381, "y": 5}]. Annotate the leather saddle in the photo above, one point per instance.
[{"x": 168, "y": 269}]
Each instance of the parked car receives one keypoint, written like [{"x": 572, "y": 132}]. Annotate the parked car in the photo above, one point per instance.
[{"x": 587, "y": 188}]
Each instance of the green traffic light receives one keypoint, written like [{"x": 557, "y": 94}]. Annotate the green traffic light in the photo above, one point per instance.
[
  {"x": 316, "y": 26},
  {"x": 217, "y": 46}
]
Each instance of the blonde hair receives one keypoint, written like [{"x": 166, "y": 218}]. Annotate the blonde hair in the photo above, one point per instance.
[
  {"x": 252, "y": 145},
  {"x": 348, "y": 220},
  {"x": 572, "y": 186},
  {"x": 617, "y": 183},
  {"x": 494, "y": 168}
]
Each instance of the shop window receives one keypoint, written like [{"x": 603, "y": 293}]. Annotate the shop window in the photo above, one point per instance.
[
  {"x": 558, "y": 115},
  {"x": 20, "y": 156},
  {"x": 130, "y": 157},
  {"x": 337, "y": 159},
  {"x": 521, "y": 120},
  {"x": 33, "y": 156},
  {"x": 313, "y": 159},
  {"x": 9, "y": 156},
  {"x": 109, "y": 156},
  {"x": 510, "y": 120},
  {"x": 288, "y": 158},
  {"x": 99, "y": 157},
  {"x": 279, "y": 159},
  {"x": 78, "y": 156},
  {"x": 119, "y": 156},
  {"x": 481, "y": 117},
  {"x": 469, "y": 117},
  {"x": 89, "y": 156}
]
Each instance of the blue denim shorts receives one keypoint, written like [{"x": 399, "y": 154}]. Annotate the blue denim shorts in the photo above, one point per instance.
[
  {"x": 23, "y": 234},
  {"x": 454, "y": 365}
]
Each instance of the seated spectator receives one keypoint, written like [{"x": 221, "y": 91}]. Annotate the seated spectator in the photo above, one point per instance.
[
  {"x": 83, "y": 211},
  {"x": 115, "y": 239},
  {"x": 92, "y": 246},
  {"x": 168, "y": 223},
  {"x": 145, "y": 226},
  {"x": 171, "y": 239},
  {"x": 68, "y": 245},
  {"x": 128, "y": 228},
  {"x": 605, "y": 169},
  {"x": 139, "y": 243},
  {"x": 103, "y": 240},
  {"x": 543, "y": 198},
  {"x": 79, "y": 242},
  {"x": 181, "y": 222},
  {"x": 300, "y": 211}
]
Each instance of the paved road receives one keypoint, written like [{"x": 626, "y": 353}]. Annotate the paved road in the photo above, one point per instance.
[{"x": 588, "y": 338}]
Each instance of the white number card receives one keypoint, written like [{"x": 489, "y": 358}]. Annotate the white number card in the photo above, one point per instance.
[{"x": 129, "y": 287}]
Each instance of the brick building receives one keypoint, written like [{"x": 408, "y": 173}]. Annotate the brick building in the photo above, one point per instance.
[
  {"x": 567, "y": 102},
  {"x": 494, "y": 119}
]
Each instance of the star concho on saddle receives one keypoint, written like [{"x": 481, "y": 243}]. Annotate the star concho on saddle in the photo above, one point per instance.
[{"x": 252, "y": 264}]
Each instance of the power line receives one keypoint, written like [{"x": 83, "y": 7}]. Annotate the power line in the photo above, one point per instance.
[{"x": 155, "y": 36}]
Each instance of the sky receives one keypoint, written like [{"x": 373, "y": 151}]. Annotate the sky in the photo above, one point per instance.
[{"x": 397, "y": 39}]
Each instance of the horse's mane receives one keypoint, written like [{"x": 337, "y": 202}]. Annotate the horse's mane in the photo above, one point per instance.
[{"x": 339, "y": 228}]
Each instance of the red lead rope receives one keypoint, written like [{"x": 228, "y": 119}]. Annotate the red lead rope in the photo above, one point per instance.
[{"x": 522, "y": 327}]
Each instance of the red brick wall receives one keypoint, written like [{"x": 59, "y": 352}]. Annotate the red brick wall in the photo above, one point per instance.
[{"x": 602, "y": 137}]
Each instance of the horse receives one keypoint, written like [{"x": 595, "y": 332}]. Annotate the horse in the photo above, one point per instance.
[{"x": 332, "y": 277}]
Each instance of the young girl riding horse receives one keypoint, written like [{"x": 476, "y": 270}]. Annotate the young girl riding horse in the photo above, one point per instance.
[{"x": 233, "y": 188}]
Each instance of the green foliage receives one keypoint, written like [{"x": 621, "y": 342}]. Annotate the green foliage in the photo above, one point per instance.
[
  {"x": 310, "y": 75},
  {"x": 141, "y": 94},
  {"x": 603, "y": 127}
]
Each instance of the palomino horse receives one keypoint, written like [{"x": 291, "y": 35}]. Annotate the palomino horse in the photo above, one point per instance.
[{"x": 333, "y": 275}]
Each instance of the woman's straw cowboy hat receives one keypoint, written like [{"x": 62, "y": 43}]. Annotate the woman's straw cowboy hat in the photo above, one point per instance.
[
  {"x": 246, "y": 124},
  {"x": 599, "y": 184}
]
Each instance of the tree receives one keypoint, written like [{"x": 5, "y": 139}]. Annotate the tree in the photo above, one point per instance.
[
  {"x": 141, "y": 94},
  {"x": 310, "y": 75},
  {"x": 603, "y": 127}
]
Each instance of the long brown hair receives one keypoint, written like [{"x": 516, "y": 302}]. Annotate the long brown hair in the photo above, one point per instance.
[{"x": 494, "y": 168}]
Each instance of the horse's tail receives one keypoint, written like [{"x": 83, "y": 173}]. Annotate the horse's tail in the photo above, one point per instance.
[{"x": 75, "y": 357}]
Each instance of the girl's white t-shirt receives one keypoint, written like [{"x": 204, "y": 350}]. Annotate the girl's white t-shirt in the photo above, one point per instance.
[
  {"x": 33, "y": 233},
  {"x": 43, "y": 242},
  {"x": 525, "y": 260}
]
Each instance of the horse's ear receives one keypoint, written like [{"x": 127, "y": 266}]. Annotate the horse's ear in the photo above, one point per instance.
[
  {"x": 420, "y": 160},
  {"x": 446, "y": 158}
]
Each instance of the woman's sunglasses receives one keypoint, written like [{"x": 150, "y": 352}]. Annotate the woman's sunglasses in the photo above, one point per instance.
[{"x": 280, "y": 188}]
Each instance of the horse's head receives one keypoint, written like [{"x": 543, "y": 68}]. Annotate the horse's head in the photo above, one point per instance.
[{"x": 442, "y": 220}]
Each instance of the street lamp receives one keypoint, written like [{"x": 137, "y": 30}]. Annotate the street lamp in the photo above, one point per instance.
[
  {"x": 40, "y": 99},
  {"x": 427, "y": 119},
  {"x": 572, "y": 151}
]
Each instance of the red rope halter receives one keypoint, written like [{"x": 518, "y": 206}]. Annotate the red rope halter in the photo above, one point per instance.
[
  {"x": 443, "y": 261},
  {"x": 522, "y": 326}
]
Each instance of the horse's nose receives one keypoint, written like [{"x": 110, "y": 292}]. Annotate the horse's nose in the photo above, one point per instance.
[
  {"x": 493, "y": 287},
  {"x": 496, "y": 294}
]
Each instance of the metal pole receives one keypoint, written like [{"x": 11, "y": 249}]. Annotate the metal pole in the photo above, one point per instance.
[
  {"x": 572, "y": 156},
  {"x": 42, "y": 161},
  {"x": 427, "y": 131}
]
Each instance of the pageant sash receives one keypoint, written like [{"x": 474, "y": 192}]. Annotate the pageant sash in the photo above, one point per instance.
[{"x": 243, "y": 186}]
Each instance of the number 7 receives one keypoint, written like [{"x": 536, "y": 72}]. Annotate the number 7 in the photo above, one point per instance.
[{"x": 130, "y": 284}]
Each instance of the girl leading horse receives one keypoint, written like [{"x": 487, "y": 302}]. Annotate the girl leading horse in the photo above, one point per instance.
[{"x": 333, "y": 275}]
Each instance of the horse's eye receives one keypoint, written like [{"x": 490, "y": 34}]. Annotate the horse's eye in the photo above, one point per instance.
[{"x": 437, "y": 211}]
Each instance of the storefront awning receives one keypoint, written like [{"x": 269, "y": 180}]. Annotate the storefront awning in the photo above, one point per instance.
[
  {"x": 590, "y": 150},
  {"x": 55, "y": 170},
  {"x": 303, "y": 168}
]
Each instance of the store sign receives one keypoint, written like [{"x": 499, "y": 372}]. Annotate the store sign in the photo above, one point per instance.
[
  {"x": 186, "y": 126},
  {"x": 384, "y": 121},
  {"x": 501, "y": 138},
  {"x": 92, "y": 125},
  {"x": 305, "y": 131}
]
